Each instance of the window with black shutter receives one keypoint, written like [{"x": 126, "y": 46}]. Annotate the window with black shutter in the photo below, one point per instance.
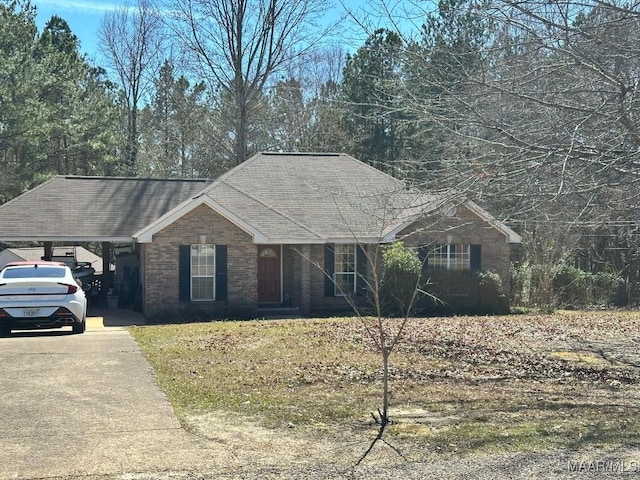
[
  {"x": 202, "y": 272},
  {"x": 329, "y": 266},
  {"x": 345, "y": 267}
]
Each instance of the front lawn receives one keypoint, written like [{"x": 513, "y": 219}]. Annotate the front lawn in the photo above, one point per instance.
[{"x": 462, "y": 384}]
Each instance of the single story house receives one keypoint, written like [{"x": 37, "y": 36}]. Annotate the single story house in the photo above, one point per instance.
[{"x": 281, "y": 230}]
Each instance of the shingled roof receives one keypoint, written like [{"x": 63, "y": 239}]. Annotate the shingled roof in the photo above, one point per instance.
[
  {"x": 278, "y": 198},
  {"x": 307, "y": 198},
  {"x": 82, "y": 209},
  {"x": 315, "y": 197}
]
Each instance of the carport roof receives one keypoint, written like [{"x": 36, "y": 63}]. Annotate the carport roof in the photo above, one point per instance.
[{"x": 85, "y": 209}]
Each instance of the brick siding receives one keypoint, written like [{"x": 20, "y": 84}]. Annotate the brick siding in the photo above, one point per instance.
[
  {"x": 303, "y": 275},
  {"x": 161, "y": 280},
  {"x": 465, "y": 227}
]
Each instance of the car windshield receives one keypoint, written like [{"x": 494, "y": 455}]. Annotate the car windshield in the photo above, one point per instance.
[{"x": 34, "y": 272}]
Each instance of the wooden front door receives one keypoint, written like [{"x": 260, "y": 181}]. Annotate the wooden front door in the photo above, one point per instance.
[{"x": 269, "y": 274}]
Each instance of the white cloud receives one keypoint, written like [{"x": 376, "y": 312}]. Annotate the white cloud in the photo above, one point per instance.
[{"x": 91, "y": 6}]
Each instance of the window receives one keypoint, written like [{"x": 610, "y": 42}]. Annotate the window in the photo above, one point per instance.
[
  {"x": 203, "y": 272},
  {"x": 449, "y": 257},
  {"x": 268, "y": 253},
  {"x": 345, "y": 269},
  {"x": 34, "y": 272}
]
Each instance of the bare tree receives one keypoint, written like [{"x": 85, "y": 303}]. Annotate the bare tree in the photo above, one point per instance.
[
  {"x": 536, "y": 103},
  {"x": 554, "y": 115},
  {"x": 395, "y": 285},
  {"x": 238, "y": 46},
  {"x": 559, "y": 92},
  {"x": 305, "y": 111},
  {"x": 320, "y": 76},
  {"x": 389, "y": 280},
  {"x": 132, "y": 42}
]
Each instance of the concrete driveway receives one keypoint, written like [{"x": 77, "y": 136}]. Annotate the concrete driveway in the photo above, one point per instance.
[{"x": 74, "y": 405}]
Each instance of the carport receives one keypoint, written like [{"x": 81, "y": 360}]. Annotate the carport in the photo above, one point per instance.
[{"x": 106, "y": 212}]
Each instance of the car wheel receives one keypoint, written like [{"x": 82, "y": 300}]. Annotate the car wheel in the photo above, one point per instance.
[{"x": 79, "y": 327}]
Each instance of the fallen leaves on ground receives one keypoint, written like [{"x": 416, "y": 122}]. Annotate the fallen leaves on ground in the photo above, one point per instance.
[{"x": 512, "y": 347}]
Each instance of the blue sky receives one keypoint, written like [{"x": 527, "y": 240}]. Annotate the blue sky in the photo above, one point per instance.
[{"x": 84, "y": 17}]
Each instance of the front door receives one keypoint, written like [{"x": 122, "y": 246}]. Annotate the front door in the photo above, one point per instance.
[{"x": 269, "y": 274}]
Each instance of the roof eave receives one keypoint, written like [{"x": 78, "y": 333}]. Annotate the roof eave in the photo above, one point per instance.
[
  {"x": 510, "y": 235},
  {"x": 66, "y": 238},
  {"x": 364, "y": 239}
]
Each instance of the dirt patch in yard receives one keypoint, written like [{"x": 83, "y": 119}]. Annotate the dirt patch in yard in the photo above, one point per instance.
[
  {"x": 249, "y": 451},
  {"x": 530, "y": 392}
]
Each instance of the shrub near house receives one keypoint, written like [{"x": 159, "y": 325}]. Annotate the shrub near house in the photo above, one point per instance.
[{"x": 465, "y": 292}]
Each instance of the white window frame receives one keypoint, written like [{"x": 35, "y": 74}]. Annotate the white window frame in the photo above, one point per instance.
[
  {"x": 449, "y": 256},
  {"x": 340, "y": 251},
  {"x": 206, "y": 270}
]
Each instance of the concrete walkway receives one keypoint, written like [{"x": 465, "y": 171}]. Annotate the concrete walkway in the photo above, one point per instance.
[{"x": 75, "y": 405}]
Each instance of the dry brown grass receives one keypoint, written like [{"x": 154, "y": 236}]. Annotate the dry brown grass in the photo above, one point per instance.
[{"x": 463, "y": 384}]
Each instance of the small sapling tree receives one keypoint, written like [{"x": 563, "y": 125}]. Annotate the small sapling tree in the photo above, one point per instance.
[{"x": 395, "y": 284}]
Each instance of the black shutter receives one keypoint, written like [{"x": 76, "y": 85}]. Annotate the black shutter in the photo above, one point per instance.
[
  {"x": 423, "y": 253},
  {"x": 329, "y": 270},
  {"x": 221, "y": 272},
  {"x": 361, "y": 271},
  {"x": 475, "y": 262},
  {"x": 184, "y": 273}
]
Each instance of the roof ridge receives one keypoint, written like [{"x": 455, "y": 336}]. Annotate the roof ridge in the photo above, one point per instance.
[
  {"x": 304, "y": 154},
  {"x": 238, "y": 168},
  {"x": 115, "y": 177}
]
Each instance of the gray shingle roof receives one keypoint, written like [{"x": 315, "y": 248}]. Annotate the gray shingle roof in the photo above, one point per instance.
[
  {"x": 314, "y": 197},
  {"x": 278, "y": 197},
  {"x": 72, "y": 208}
]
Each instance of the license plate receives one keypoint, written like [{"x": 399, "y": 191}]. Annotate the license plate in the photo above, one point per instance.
[{"x": 31, "y": 312}]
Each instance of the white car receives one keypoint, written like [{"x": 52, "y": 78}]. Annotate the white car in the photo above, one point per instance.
[{"x": 40, "y": 295}]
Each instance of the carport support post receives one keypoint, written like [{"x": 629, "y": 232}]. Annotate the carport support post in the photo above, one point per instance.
[
  {"x": 48, "y": 251},
  {"x": 106, "y": 272}
]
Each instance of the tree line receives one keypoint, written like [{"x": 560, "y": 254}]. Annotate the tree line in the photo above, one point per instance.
[{"x": 528, "y": 108}]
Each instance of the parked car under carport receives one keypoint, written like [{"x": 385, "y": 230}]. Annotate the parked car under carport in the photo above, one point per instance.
[{"x": 36, "y": 295}]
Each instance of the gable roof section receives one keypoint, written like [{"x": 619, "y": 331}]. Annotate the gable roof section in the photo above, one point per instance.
[
  {"x": 306, "y": 198},
  {"x": 81, "y": 209},
  {"x": 511, "y": 236}
]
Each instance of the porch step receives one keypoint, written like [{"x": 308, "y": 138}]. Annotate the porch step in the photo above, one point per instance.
[{"x": 274, "y": 312}]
